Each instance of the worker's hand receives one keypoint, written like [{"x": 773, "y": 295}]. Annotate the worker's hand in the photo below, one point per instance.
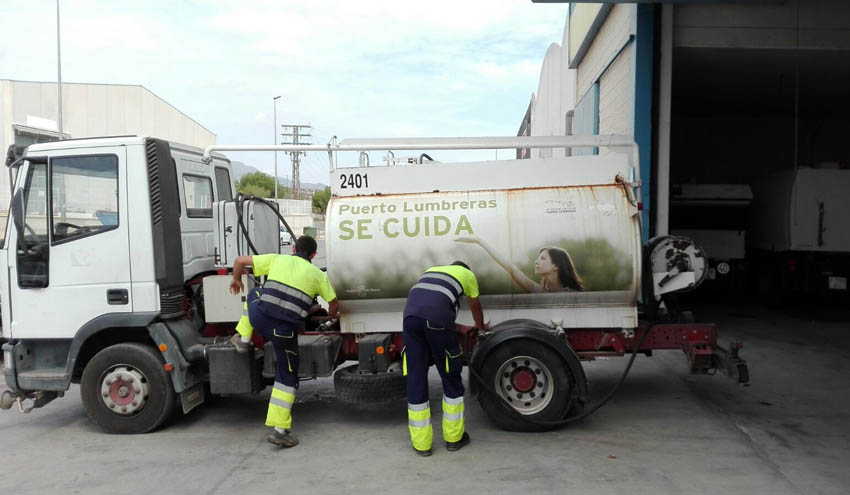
[
  {"x": 472, "y": 239},
  {"x": 236, "y": 286}
]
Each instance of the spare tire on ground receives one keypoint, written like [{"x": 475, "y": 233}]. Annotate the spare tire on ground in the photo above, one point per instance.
[{"x": 365, "y": 388}]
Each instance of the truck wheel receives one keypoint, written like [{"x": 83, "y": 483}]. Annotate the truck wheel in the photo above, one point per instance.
[
  {"x": 530, "y": 378},
  {"x": 355, "y": 388},
  {"x": 125, "y": 389}
]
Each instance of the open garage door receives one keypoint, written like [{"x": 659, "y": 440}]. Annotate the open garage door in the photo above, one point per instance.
[{"x": 759, "y": 166}]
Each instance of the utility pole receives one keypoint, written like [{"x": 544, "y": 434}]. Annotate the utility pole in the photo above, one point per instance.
[{"x": 299, "y": 131}]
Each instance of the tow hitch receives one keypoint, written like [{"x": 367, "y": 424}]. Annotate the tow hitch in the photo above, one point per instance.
[{"x": 39, "y": 399}]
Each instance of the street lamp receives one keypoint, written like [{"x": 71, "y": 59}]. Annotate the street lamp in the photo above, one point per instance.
[
  {"x": 275, "y": 143},
  {"x": 59, "y": 71}
]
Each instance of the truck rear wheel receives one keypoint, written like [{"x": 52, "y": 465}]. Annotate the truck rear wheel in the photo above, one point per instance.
[
  {"x": 356, "y": 388},
  {"x": 531, "y": 379},
  {"x": 125, "y": 389}
]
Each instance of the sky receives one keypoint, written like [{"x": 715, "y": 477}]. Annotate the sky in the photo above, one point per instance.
[{"x": 352, "y": 69}]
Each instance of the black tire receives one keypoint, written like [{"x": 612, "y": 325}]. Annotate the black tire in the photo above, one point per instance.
[
  {"x": 156, "y": 406},
  {"x": 559, "y": 401},
  {"x": 368, "y": 388}
]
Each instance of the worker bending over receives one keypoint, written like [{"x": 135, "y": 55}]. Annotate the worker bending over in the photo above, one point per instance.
[
  {"x": 277, "y": 311},
  {"x": 429, "y": 337}
]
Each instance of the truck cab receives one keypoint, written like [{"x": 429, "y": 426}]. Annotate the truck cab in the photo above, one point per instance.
[{"x": 101, "y": 237}]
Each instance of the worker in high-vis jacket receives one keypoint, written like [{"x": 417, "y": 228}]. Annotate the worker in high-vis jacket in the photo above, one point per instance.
[
  {"x": 277, "y": 311},
  {"x": 429, "y": 337}
]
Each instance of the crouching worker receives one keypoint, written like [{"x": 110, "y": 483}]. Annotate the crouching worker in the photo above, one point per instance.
[
  {"x": 429, "y": 337},
  {"x": 277, "y": 311}
]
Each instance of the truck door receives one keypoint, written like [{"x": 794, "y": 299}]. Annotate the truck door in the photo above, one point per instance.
[{"x": 69, "y": 258}]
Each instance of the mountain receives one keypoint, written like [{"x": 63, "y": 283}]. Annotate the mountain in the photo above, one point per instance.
[{"x": 240, "y": 169}]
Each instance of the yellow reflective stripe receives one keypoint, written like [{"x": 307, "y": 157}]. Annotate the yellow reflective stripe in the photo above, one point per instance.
[
  {"x": 452, "y": 418},
  {"x": 288, "y": 362},
  {"x": 449, "y": 356},
  {"x": 287, "y": 397},
  {"x": 279, "y": 417},
  {"x": 244, "y": 327},
  {"x": 417, "y": 415},
  {"x": 404, "y": 361},
  {"x": 449, "y": 409},
  {"x": 452, "y": 429}
]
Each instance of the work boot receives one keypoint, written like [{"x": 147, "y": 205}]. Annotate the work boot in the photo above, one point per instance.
[
  {"x": 452, "y": 446},
  {"x": 422, "y": 453},
  {"x": 241, "y": 347},
  {"x": 283, "y": 440}
]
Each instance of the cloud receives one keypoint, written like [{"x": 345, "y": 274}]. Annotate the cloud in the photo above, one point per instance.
[{"x": 354, "y": 69}]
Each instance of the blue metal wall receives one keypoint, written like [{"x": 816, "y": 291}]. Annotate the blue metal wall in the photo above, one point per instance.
[{"x": 644, "y": 76}]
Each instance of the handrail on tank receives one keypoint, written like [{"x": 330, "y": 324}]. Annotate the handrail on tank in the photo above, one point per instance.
[{"x": 450, "y": 143}]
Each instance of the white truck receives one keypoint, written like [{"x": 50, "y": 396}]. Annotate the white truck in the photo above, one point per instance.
[
  {"x": 799, "y": 236},
  {"x": 115, "y": 266}
]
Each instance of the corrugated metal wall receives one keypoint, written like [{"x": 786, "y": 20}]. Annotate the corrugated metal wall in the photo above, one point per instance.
[
  {"x": 586, "y": 119},
  {"x": 93, "y": 110}
]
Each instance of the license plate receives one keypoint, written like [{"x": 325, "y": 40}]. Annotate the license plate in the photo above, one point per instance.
[{"x": 838, "y": 283}]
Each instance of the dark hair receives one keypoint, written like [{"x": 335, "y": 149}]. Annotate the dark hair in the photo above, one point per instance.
[
  {"x": 306, "y": 245},
  {"x": 461, "y": 263},
  {"x": 567, "y": 274}
]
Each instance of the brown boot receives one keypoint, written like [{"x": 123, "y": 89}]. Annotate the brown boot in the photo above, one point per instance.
[{"x": 283, "y": 440}]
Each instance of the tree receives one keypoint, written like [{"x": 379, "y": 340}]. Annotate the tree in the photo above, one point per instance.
[
  {"x": 320, "y": 200},
  {"x": 260, "y": 184}
]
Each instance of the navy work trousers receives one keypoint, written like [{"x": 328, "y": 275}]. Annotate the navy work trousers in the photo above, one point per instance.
[
  {"x": 426, "y": 343},
  {"x": 284, "y": 339}
]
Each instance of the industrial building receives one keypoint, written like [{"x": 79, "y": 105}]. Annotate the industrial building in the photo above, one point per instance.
[
  {"x": 740, "y": 110},
  {"x": 29, "y": 114}
]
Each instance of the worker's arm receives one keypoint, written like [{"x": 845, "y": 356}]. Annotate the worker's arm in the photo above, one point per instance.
[
  {"x": 519, "y": 278},
  {"x": 333, "y": 309},
  {"x": 236, "y": 286},
  {"x": 477, "y": 313}
]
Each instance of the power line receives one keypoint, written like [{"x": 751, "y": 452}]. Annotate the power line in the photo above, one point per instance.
[{"x": 299, "y": 131}]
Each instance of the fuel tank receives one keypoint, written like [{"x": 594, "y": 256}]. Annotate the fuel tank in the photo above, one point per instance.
[{"x": 556, "y": 240}]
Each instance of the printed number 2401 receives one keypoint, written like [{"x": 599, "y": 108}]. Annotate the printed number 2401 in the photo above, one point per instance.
[{"x": 353, "y": 181}]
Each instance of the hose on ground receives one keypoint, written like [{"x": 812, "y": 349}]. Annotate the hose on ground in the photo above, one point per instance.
[{"x": 501, "y": 401}]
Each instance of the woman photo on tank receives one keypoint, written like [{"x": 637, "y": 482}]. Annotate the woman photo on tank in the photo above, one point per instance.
[{"x": 553, "y": 265}]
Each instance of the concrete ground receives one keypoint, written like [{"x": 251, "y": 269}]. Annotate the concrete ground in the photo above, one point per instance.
[{"x": 664, "y": 432}]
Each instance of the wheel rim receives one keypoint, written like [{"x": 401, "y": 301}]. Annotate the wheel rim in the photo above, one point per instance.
[
  {"x": 525, "y": 383},
  {"x": 124, "y": 390}
]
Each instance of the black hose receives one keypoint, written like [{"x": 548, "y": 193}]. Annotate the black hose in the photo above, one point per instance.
[
  {"x": 240, "y": 199},
  {"x": 501, "y": 401}
]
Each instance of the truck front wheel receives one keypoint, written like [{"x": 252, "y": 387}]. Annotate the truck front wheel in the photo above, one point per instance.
[
  {"x": 529, "y": 378},
  {"x": 125, "y": 389}
]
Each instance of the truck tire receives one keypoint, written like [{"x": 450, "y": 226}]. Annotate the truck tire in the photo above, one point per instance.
[
  {"x": 366, "y": 388},
  {"x": 125, "y": 389},
  {"x": 532, "y": 379}
]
